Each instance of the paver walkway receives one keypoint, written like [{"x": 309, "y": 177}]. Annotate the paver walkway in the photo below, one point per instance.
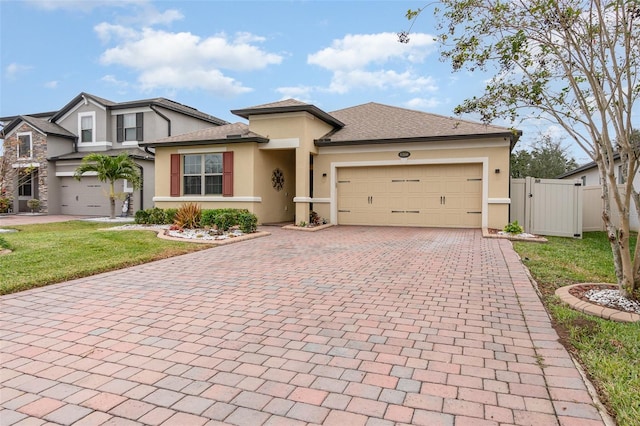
[{"x": 347, "y": 326}]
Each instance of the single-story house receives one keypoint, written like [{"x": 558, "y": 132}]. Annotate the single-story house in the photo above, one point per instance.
[
  {"x": 371, "y": 164},
  {"x": 43, "y": 150}
]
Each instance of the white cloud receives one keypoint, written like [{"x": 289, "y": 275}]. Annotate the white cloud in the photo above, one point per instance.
[
  {"x": 184, "y": 60},
  {"x": 14, "y": 69},
  {"x": 301, "y": 93},
  {"x": 51, "y": 84},
  {"x": 423, "y": 103},
  {"x": 365, "y": 61},
  {"x": 112, "y": 80}
]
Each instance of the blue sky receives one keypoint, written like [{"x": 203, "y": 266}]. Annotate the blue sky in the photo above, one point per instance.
[{"x": 221, "y": 55}]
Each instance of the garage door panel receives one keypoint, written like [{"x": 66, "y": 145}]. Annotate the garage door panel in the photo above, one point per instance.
[{"x": 414, "y": 195}]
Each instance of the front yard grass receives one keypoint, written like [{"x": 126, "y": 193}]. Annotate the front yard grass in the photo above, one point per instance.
[
  {"x": 55, "y": 252},
  {"x": 609, "y": 351}
]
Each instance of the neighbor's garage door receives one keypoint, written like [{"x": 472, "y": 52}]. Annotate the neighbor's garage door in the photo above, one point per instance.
[
  {"x": 85, "y": 197},
  {"x": 448, "y": 195}
]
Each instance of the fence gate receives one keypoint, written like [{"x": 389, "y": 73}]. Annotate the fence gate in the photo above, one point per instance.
[{"x": 547, "y": 206}]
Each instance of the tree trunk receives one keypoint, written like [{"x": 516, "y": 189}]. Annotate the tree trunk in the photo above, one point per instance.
[
  {"x": 112, "y": 200},
  {"x": 618, "y": 235}
]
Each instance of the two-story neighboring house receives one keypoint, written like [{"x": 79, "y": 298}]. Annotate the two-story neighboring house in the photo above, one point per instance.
[{"x": 44, "y": 149}]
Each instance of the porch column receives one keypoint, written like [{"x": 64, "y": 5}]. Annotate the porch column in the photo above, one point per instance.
[{"x": 302, "y": 184}]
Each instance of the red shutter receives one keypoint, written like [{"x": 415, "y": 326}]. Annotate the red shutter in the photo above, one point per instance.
[
  {"x": 175, "y": 175},
  {"x": 227, "y": 174}
]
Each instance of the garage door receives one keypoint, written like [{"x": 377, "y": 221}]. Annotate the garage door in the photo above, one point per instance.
[
  {"x": 447, "y": 195},
  {"x": 86, "y": 197}
]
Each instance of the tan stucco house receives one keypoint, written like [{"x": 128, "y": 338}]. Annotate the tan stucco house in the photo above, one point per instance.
[{"x": 371, "y": 164}]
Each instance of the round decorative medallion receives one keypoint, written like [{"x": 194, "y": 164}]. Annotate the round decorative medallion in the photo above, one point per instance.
[{"x": 277, "y": 179}]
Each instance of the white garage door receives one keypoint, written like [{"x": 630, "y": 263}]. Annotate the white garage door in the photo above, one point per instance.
[
  {"x": 86, "y": 197},
  {"x": 447, "y": 195}
]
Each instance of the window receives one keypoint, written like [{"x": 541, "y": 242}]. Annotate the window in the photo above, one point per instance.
[
  {"x": 25, "y": 148},
  {"x": 202, "y": 174},
  {"x": 87, "y": 124},
  {"x": 25, "y": 185},
  {"x": 129, "y": 127}
]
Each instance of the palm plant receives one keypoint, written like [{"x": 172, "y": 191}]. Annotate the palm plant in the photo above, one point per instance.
[{"x": 110, "y": 169}]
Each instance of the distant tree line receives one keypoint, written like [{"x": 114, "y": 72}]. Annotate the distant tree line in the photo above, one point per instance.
[{"x": 547, "y": 159}]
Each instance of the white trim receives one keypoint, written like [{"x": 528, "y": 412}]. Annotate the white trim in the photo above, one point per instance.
[
  {"x": 30, "y": 134},
  {"x": 91, "y": 114},
  {"x": 218, "y": 199},
  {"x": 24, "y": 165},
  {"x": 411, "y": 147},
  {"x": 71, "y": 174},
  {"x": 202, "y": 150},
  {"x": 130, "y": 143},
  {"x": 284, "y": 143},
  {"x": 82, "y": 147},
  {"x": 485, "y": 178},
  {"x": 311, "y": 200},
  {"x": 499, "y": 200}
]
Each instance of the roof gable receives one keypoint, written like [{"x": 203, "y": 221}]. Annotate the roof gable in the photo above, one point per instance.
[
  {"x": 41, "y": 125},
  {"x": 285, "y": 106},
  {"x": 160, "y": 102}
]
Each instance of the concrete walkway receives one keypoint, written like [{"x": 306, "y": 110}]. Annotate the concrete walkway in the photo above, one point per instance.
[{"x": 347, "y": 326}]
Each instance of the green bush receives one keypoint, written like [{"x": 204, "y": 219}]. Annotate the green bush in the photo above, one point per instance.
[
  {"x": 222, "y": 219},
  {"x": 142, "y": 217},
  {"x": 248, "y": 222},
  {"x": 169, "y": 216},
  {"x": 513, "y": 228},
  {"x": 5, "y": 204}
]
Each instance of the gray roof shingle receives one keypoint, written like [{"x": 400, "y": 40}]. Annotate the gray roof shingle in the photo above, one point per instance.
[
  {"x": 378, "y": 123},
  {"x": 228, "y": 133}
]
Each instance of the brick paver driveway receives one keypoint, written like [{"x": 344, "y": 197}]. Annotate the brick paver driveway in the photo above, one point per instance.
[{"x": 347, "y": 326}]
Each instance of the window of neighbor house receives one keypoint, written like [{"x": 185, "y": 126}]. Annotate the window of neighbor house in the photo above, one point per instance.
[
  {"x": 25, "y": 185},
  {"x": 202, "y": 174},
  {"x": 129, "y": 127},
  {"x": 86, "y": 128},
  {"x": 25, "y": 148}
]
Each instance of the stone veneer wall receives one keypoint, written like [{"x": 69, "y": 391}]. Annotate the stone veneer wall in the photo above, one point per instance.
[{"x": 39, "y": 155}]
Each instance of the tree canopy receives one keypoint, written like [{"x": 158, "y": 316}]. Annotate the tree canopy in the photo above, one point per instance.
[
  {"x": 547, "y": 159},
  {"x": 572, "y": 62}
]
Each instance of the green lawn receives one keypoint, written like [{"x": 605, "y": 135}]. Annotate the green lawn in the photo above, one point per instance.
[
  {"x": 55, "y": 252},
  {"x": 609, "y": 351}
]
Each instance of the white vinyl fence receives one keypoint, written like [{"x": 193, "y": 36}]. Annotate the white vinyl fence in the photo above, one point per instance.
[
  {"x": 548, "y": 206},
  {"x": 592, "y": 211}
]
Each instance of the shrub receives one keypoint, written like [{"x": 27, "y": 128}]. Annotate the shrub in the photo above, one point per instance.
[
  {"x": 169, "y": 216},
  {"x": 513, "y": 228},
  {"x": 188, "y": 216},
  {"x": 156, "y": 216},
  {"x": 248, "y": 222},
  {"x": 142, "y": 217},
  {"x": 5, "y": 204},
  {"x": 33, "y": 204}
]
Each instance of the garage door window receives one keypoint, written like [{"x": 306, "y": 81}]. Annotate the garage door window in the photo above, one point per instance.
[{"x": 202, "y": 174}]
